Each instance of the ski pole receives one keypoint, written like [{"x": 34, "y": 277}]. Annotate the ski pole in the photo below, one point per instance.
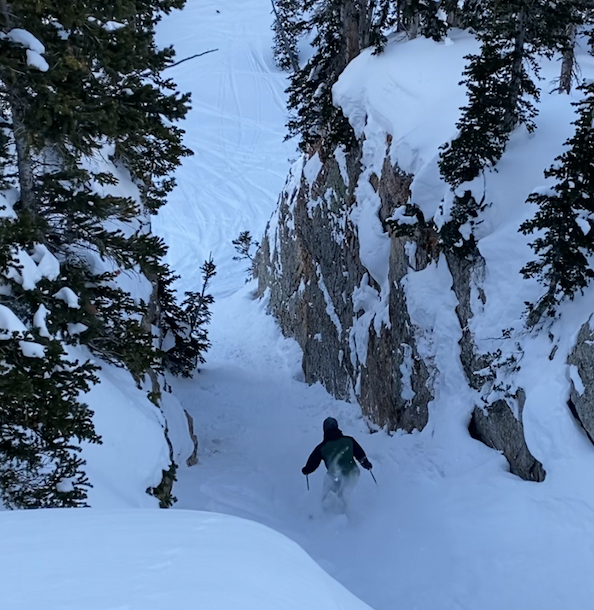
[
  {"x": 371, "y": 473},
  {"x": 307, "y": 481}
]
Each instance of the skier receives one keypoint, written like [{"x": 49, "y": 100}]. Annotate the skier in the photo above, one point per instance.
[{"x": 338, "y": 452}]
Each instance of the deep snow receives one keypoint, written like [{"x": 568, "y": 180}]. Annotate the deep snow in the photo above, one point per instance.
[
  {"x": 447, "y": 527},
  {"x": 150, "y": 560}
]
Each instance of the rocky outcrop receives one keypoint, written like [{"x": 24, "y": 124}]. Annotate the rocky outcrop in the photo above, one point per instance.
[
  {"x": 192, "y": 460},
  {"x": 581, "y": 363},
  {"x": 357, "y": 336},
  {"x": 357, "y": 346},
  {"x": 498, "y": 427}
]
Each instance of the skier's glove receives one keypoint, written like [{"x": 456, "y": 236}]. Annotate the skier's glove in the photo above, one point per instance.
[
  {"x": 366, "y": 464},
  {"x": 304, "y": 471}
]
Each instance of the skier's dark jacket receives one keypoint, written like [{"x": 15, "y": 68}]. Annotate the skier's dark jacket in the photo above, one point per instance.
[{"x": 338, "y": 452}]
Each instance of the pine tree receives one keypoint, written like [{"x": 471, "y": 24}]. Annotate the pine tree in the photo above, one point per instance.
[
  {"x": 289, "y": 26},
  {"x": 104, "y": 86},
  {"x": 191, "y": 337},
  {"x": 566, "y": 215},
  {"x": 42, "y": 423},
  {"x": 243, "y": 246},
  {"x": 514, "y": 35},
  {"x": 342, "y": 29},
  {"x": 83, "y": 103},
  {"x": 314, "y": 116},
  {"x": 501, "y": 93}
]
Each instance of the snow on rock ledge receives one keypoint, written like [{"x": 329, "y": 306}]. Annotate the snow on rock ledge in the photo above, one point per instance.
[{"x": 152, "y": 560}]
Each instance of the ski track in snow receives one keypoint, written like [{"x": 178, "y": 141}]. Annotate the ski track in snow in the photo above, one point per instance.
[
  {"x": 236, "y": 130},
  {"x": 447, "y": 527}
]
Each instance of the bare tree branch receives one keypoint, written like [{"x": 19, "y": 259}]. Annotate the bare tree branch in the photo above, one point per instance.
[{"x": 181, "y": 61}]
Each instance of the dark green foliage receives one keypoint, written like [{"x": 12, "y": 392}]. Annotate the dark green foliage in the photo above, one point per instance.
[
  {"x": 289, "y": 26},
  {"x": 104, "y": 98},
  {"x": 243, "y": 246},
  {"x": 40, "y": 418},
  {"x": 483, "y": 134},
  {"x": 501, "y": 93},
  {"x": 313, "y": 115},
  {"x": 465, "y": 209},
  {"x": 191, "y": 335},
  {"x": 564, "y": 212},
  {"x": 343, "y": 28}
]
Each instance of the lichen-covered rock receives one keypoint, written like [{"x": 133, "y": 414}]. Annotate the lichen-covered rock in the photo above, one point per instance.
[
  {"x": 581, "y": 362},
  {"x": 498, "y": 427}
]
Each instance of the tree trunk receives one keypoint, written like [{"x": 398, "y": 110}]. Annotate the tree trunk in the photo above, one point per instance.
[
  {"x": 568, "y": 63},
  {"x": 20, "y": 132},
  {"x": 413, "y": 28},
  {"x": 510, "y": 118},
  {"x": 24, "y": 163},
  {"x": 366, "y": 22},
  {"x": 350, "y": 18}
]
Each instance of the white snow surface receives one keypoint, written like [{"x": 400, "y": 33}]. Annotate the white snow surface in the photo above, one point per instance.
[
  {"x": 236, "y": 130},
  {"x": 26, "y": 39},
  {"x": 99, "y": 560},
  {"x": 35, "y": 60},
  {"x": 68, "y": 296},
  {"x": 10, "y": 323}
]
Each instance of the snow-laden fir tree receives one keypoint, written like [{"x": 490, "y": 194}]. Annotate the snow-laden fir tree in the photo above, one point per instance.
[
  {"x": 83, "y": 104},
  {"x": 289, "y": 26},
  {"x": 42, "y": 423},
  {"x": 514, "y": 34},
  {"x": 565, "y": 217},
  {"x": 313, "y": 115}
]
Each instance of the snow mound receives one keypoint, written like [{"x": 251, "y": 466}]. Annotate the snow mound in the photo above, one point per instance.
[{"x": 150, "y": 560}]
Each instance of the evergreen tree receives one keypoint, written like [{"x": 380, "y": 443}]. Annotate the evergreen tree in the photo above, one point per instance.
[
  {"x": 191, "y": 336},
  {"x": 83, "y": 103},
  {"x": 42, "y": 423},
  {"x": 514, "y": 35},
  {"x": 314, "y": 116},
  {"x": 566, "y": 216},
  {"x": 501, "y": 93},
  {"x": 104, "y": 86},
  {"x": 289, "y": 26},
  {"x": 342, "y": 29},
  {"x": 243, "y": 246}
]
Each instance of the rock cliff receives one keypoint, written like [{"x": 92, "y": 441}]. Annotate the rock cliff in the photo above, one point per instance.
[{"x": 357, "y": 336}]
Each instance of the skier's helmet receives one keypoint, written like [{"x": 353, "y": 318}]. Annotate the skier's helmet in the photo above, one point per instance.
[{"x": 330, "y": 424}]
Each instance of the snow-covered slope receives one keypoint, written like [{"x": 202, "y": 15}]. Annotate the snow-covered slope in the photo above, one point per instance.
[
  {"x": 448, "y": 526},
  {"x": 134, "y": 450},
  {"x": 236, "y": 129},
  {"x": 150, "y": 560}
]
